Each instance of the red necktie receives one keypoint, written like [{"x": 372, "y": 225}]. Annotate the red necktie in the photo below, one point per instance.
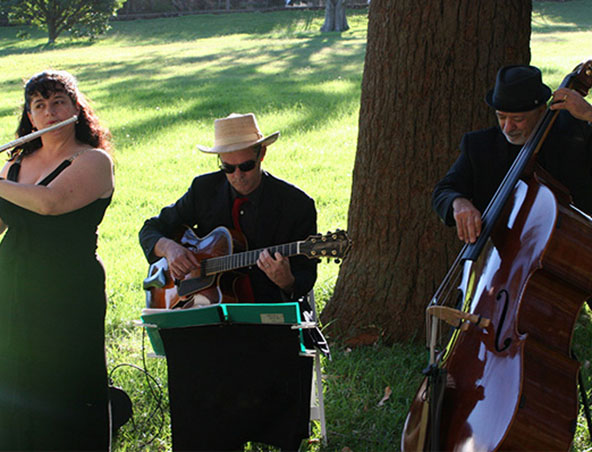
[
  {"x": 242, "y": 287},
  {"x": 238, "y": 202}
]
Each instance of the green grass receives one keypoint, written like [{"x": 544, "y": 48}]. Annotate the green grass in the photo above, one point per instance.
[
  {"x": 561, "y": 37},
  {"x": 159, "y": 85}
]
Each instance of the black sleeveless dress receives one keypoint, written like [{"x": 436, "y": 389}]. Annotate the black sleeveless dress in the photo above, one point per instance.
[{"x": 53, "y": 377}]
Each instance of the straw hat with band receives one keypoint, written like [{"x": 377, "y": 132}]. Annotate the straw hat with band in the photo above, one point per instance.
[
  {"x": 237, "y": 132},
  {"x": 518, "y": 88}
]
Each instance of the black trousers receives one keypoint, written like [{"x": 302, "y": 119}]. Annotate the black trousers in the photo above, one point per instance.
[{"x": 234, "y": 383}]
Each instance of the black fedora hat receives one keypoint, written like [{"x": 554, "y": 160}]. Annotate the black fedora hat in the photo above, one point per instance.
[{"x": 518, "y": 88}]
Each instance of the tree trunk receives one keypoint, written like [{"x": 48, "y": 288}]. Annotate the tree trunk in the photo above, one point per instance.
[
  {"x": 52, "y": 31},
  {"x": 428, "y": 66},
  {"x": 335, "y": 19}
]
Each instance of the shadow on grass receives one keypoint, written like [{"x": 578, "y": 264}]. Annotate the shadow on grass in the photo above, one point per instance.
[
  {"x": 10, "y": 44},
  {"x": 355, "y": 383},
  {"x": 244, "y": 81},
  {"x": 564, "y": 16},
  {"x": 245, "y": 84},
  {"x": 159, "y": 31},
  {"x": 189, "y": 28}
]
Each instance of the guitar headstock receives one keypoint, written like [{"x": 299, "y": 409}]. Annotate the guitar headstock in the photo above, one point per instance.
[
  {"x": 581, "y": 78},
  {"x": 332, "y": 245}
]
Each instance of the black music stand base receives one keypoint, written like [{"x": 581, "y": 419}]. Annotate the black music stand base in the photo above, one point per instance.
[{"x": 234, "y": 383}]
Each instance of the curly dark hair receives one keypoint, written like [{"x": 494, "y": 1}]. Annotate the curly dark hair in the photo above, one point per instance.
[{"x": 88, "y": 129}]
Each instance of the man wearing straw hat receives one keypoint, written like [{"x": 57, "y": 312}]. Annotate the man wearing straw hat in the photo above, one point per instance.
[{"x": 267, "y": 210}]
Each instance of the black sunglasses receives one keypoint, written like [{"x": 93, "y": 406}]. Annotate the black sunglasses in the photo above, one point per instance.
[{"x": 244, "y": 167}]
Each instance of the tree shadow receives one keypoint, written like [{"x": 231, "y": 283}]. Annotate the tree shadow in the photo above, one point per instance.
[
  {"x": 144, "y": 32},
  {"x": 552, "y": 17},
  {"x": 145, "y": 83},
  {"x": 10, "y": 44},
  {"x": 189, "y": 28},
  {"x": 243, "y": 78}
]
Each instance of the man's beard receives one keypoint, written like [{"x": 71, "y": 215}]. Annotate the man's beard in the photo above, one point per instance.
[{"x": 517, "y": 139}]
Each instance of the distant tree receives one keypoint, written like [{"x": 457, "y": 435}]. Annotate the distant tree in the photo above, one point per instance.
[
  {"x": 335, "y": 19},
  {"x": 80, "y": 17}
]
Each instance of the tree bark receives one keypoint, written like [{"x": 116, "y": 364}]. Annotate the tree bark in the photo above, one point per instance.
[
  {"x": 52, "y": 29},
  {"x": 428, "y": 66},
  {"x": 335, "y": 19}
]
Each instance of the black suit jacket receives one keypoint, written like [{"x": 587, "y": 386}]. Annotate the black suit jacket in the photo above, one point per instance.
[
  {"x": 486, "y": 156},
  {"x": 286, "y": 214}
]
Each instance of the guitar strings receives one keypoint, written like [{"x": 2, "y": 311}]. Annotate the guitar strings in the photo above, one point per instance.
[{"x": 244, "y": 259}]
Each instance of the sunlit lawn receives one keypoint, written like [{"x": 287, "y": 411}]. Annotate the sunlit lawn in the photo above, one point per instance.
[{"x": 159, "y": 85}]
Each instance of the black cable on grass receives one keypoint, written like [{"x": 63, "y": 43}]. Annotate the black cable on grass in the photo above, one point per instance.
[{"x": 153, "y": 385}]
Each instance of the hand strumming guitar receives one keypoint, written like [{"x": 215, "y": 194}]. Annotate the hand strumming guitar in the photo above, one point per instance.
[{"x": 180, "y": 260}]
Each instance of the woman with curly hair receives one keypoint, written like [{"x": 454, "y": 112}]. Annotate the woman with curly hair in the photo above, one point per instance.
[{"x": 53, "y": 194}]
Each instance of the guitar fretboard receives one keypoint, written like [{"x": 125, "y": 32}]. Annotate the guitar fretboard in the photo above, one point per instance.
[{"x": 221, "y": 264}]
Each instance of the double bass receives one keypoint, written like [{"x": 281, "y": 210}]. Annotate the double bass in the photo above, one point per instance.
[{"x": 501, "y": 375}]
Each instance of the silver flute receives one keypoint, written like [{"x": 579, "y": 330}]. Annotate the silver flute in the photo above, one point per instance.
[{"x": 31, "y": 136}]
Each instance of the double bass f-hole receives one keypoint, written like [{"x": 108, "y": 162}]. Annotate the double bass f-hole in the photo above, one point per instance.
[{"x": 502, "y": 297}]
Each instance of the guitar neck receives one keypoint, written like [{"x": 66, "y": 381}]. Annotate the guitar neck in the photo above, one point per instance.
[{"x": 231, "y": 262}]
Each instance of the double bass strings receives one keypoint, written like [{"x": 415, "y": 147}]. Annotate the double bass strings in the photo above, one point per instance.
[{"x": 446, "y": 294}]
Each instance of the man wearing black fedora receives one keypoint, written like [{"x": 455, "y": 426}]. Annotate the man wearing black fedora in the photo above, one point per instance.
[{"x": 519, "y": 98}]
